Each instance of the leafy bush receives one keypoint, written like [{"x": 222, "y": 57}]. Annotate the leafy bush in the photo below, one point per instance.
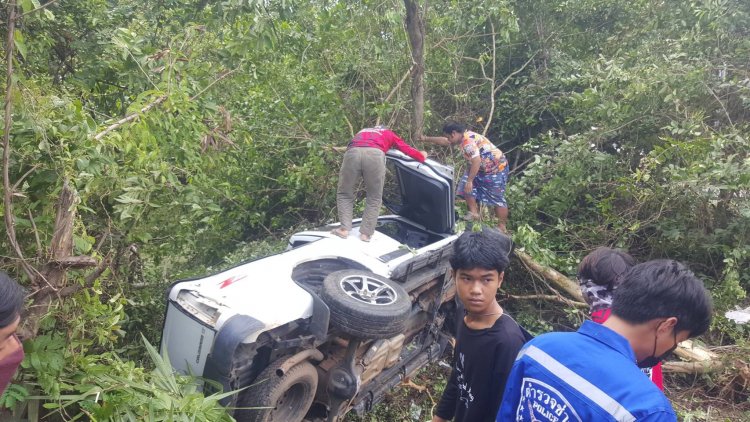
[{"x": 105, "y": 388}]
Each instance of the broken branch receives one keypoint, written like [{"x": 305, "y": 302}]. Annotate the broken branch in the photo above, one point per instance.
[
  {"x": 569, "y": 286},
  {"x": 692, "y": 367},
  {"x": 553, "y": 298}
]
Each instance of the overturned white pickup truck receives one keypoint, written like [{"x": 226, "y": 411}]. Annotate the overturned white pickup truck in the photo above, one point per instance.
[{"x": 330, "y": 325}]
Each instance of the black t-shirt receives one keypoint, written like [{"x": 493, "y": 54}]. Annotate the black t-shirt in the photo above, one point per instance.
[{"x": 482, "y": 362}]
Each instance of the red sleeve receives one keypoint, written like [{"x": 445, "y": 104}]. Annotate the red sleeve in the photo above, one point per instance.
[
  {"x": 402, "y": 146},
  {"x": 601, "y": 315},
  {"x": 657, "y": 376}
]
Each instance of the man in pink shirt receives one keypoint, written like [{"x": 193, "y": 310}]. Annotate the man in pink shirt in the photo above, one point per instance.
[{"x": 365, "y": 158}]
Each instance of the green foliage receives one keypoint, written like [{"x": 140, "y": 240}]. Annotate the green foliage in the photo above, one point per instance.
[
  {"x": 13, "y": 396},
  {"x": 628, "y": 127},
  {"x": 634, "y": 130},
  {"x": 113, "y": 390}
]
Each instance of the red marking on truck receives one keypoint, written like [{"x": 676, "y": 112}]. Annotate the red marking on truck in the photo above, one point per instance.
[{"x": 230, "y": 281}]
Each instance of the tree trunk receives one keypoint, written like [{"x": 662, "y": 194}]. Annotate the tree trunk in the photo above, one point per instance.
[
  {"x": 51, "y": 278},
  {"x": 415, "y": 29}
]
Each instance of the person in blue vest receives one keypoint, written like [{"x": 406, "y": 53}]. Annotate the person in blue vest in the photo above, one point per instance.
[{"x": 594, "y": 374}]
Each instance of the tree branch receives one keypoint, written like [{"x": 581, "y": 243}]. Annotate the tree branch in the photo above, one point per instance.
[
  {"x": 10, "y": 224},
  {"x": 570, "y": 287},
  {"x": 129, "y": 118},
  {"x": 218, "y": 79},
  {"x": 394, "y": 90},
  {"x": 44, "y": 6},
  {"x": 25, "y": 175},
  {"x": 39, "y": 249},
  {"x": 494, "y": 74},
  {"x": 703, "y": 367},
  {"x": 88, "y": 281},
  {"x": 721, "y": 103},
  {"x": 553, "y": 298},
  {"x": 133, "y": 116},
  {"x": 502, "y": 84},
  {"x": 398, "y": 85}
]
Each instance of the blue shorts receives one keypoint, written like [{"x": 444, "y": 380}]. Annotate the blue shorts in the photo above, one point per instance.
[{"x": 487, "y": 189}]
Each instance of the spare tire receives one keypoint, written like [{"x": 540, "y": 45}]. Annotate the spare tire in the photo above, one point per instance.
[{"x": 366, "y": 305}]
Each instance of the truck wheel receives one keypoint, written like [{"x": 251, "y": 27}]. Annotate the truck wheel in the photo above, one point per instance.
[
  {"x": 366, "y": 305},
  {"x": 287, "y": 398}
]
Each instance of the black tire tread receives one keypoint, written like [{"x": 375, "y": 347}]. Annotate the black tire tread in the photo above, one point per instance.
[
  {"x": 360, "y": 319},
  {"x": 270, "y": 387}
]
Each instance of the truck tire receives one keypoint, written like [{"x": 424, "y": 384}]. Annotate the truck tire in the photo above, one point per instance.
[
  {"x": 366, "y": 305},
  {"x": 287, "y": 397}
]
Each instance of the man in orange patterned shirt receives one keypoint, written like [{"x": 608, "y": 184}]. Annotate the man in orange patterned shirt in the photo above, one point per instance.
[{"x": 485, "y": 180}]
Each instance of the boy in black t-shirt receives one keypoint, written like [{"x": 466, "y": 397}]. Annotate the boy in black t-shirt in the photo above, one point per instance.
[{"x": 487, "y": 340}]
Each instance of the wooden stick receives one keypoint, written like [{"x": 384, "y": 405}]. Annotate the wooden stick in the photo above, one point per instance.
[
  {"x": 569, "y": 286},
  {"x": 693, "y": 367}
]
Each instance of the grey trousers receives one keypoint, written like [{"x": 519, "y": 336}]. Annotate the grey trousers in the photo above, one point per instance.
[{"x": 369, "y": 164}]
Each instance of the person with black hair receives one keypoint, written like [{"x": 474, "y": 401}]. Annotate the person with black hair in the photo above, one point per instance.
[
  {"x": 598, "y": 276},
  {"x": 485, "y": 180},
  {"x": 488, "y": 339},
  {"x": 594, "y": 374},
  {"x": 365, "y": 159},
  {"x": 11, "y": 350}
]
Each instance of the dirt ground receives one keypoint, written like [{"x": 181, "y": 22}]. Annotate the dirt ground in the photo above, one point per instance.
[
  {"x": 411, "y": 403},
  {"x": 717, "y": 399},
  {"x": 694, "y": 398}
]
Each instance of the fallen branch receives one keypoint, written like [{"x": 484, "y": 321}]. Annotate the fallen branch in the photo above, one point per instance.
[
  {"x": 88, "y": 281},
  {"x": 75, "y": 262},
  {"x": 699, "y": 360},
  {"x": 553, "y": 298},
  {"x": 553, "y": 276},
  {"x": 691, "y": 351},
  {"x": 692, "y": 367}
]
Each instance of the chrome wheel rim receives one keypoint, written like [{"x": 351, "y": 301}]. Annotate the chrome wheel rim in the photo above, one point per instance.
[{"x": 368, "y": 290}]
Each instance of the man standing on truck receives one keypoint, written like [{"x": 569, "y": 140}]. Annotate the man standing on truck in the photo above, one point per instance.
[
  {"x": 365, "y": 158},
  {"x": 485, "y": 180}
]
